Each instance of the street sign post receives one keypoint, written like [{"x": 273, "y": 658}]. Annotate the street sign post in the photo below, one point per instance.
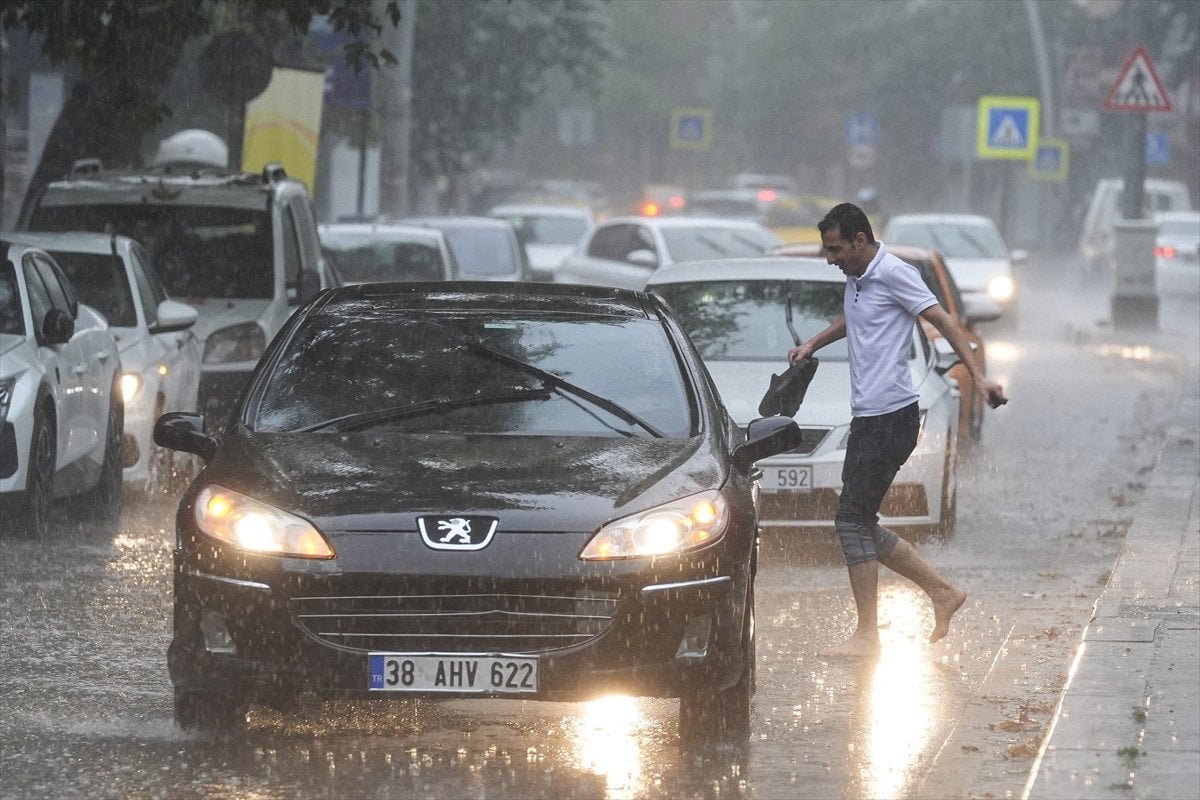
[
  {"x": 691, "y": 128},
  {"x": 1007, "y": 127}
]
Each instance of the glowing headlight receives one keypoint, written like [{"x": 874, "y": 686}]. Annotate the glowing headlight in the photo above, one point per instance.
[
  {"x": 131, "y": 384},
  {"x": 244, "y": 342},
  {"x": 676, "y": 527},
  {"x": 1001, "y": 287},
  {"x": 249, "y": 524}
]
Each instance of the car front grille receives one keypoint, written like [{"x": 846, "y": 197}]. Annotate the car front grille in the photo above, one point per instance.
[
  {"x": 820, "y": 505},
  {"x": 457, "y": 623}
]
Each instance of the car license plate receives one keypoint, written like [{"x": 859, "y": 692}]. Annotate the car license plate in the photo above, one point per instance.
[
  {"x": 446, "y": 672},
  {"x": 781, "y": 479}
]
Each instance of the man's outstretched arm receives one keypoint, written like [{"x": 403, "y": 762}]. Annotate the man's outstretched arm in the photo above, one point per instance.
[
  {"x": 805, "y": 349},
  {"x": 992, "y": 391}
]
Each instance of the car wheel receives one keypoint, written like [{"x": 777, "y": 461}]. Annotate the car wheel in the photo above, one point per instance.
[
  {"x": 33, "y": 515},
  {"x": 949, "y": 505},
  {"x": 723, "y": 715},
  {"x": 214, "y": 712},
  {"x": 107, "y": 494}
]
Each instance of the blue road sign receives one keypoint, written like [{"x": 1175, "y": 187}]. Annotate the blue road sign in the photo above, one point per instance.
[
  {"x": 1158, "y": 149},
  {"x": 691, "y": 128},
  {"x": 862, "y": 130},
  {"x": 1007, "y": 127},
  {"x": 1053, "y": 156}
]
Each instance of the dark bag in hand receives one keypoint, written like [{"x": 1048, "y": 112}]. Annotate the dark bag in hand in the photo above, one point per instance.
[{"x": 788, "y": 388}]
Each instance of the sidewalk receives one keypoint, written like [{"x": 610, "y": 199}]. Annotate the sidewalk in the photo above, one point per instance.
[{"x": 1128, "y": 720}]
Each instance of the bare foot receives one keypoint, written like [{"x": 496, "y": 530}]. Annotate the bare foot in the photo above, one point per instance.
[
  {"x": 943, "y": 610},
  {"x": 860, "y": 645}
]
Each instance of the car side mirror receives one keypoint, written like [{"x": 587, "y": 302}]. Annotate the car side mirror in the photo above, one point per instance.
[
  {"x": 765, "y": 437},
  {"x": 173, "y": 315},
  {"x": 643, "y": 258},
  {"x": 944, "y": 355},
  {"x": 980, "y": 308},
  {"x": 181, "y": 430},
  {"x": 57, "y": 327}
]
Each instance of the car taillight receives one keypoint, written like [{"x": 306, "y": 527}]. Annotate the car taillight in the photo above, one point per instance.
[
  {"x": 767, "y": 195},
  {"x": 676, "y": 201},
  {"x": 1164, "y": 251}
]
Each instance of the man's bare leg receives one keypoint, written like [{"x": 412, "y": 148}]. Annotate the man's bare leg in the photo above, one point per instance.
[
  {"x": 947, "y": 597},
  {"x": 864, "y": 582}
]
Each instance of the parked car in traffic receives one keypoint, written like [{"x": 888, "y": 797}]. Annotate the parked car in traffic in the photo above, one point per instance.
[
  {"x": 973, "y": 248},
  {"x": 484, "y": 248},
  {"x": 510, "y": 490},
  {"x": 743, "y": 315},
  {"x": 743, "y": 204},
  {"x": 548, "y": 233},
  {"x": 794, "y": 219},
  {"x": 61, "y": 417},
  {"x": 966, "y": 313},
  {"x": 367, "y": 252},
  {"x": 1105, "y": 207},
  {"x": 240, "y": 247},
  {"x": 1177, "y": 252},
  {"x": 624, "y": 251},
  {"x": 160, "y": 357}
]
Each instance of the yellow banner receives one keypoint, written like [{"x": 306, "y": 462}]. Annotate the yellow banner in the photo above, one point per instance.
[{"x": 284, "y": 123}]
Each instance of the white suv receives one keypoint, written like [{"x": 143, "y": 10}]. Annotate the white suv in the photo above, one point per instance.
[
  {"x": 160, "y": 357},
  {"x": 61, "y": 416},
  {"x": 241, "y": 248}
]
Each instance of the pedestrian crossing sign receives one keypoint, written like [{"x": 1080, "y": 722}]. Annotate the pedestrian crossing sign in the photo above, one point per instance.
[
  {"x": 1052, "y": 161},
  {"x": 1138, "y": 87},
  {"x": 1007, "y": 127}
]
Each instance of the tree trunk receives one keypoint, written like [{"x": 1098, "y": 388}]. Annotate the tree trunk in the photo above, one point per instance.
[{"x": 394, "y": 98}]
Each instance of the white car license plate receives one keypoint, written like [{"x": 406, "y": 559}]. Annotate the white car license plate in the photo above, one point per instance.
[
  {"x": 446, "y": 672},
  {"x": 780, "y": 479}
]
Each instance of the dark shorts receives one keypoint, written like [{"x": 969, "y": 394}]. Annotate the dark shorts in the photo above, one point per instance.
[{"x": 877, "y": 448}]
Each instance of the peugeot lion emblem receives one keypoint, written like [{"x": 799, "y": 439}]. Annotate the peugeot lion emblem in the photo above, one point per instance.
[{"x": 457, "y": 532}]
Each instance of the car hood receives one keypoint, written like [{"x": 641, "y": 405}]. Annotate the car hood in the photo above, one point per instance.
[
  {"x": 742, "y": 385},
  {"x": 548, "y": 256},
  {"x": 973, "y": 274},
  {"x": 381, "y": 480},
  {"x": 215, "y": 313},
  {"x": 9, "y": 341}
]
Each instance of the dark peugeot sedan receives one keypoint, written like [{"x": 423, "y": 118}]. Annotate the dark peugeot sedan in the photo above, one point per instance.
[{"x": 471, "y": 489}]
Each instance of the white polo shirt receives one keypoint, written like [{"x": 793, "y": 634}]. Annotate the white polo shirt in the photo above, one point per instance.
[{"x": 881, "y": 308}]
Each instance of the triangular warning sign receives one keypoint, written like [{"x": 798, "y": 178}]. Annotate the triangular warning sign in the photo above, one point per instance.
[{"x": 1138, "y": 88}]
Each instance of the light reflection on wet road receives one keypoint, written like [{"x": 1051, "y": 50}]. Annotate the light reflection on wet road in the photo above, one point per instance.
[{"x": 86, "y": 705}]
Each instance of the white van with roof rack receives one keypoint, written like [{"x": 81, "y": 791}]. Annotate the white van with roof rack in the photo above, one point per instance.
[{"x": 240, "y": 247}]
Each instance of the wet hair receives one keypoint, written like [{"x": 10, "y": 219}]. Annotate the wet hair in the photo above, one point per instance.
[{"x": 848, "y": 220}]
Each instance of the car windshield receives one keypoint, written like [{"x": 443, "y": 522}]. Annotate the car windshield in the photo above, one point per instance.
[
  {"x": 549, "y": 230},
  {"x": 698, "y": 244},
  {"x": 954, "y": 240},
  {"x": 747, "y": 320},
  {"x": 11, "y": 318},
  {"x": 483, "y": 251},
  {"x": 366, "y": 257},
  {"x": 101, "y": 282},
  {"x": 358, "y": 357},
  {"x": 1176, "y": 227},
  {"x": 197, "y": 251}
]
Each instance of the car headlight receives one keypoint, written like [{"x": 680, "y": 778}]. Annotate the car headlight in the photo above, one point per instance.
[
  {"x": 244, "y": 342},
  {"x": 252, "y": 525},
  {"x": 1001, "y": 287},
  {"x": 6, "y": 392},
  {"x": 676, "y": 527},
  {"x": 131, "y": 384}
]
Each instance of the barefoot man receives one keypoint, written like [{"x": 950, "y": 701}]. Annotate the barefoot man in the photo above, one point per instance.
[{"x": 884, "y": 296}]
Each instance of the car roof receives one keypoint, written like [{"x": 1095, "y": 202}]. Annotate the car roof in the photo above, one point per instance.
[
  {"x": 451, "y": 222},
  {"x": 499, "y": 296},
  {"x": 73, "y": 241},
  {"x": 687, "y": 222},
  {"x": 1185, "y": 216},
  {"x": 766, "y": 268},
  {"x": 943, "y": 219},
  {"x": 395, "y": 228},
  {"x": 543, "y": 209},
  {"x": 202, "y": 188}
]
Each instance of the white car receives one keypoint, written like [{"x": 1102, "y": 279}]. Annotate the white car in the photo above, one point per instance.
[
  {"x": 743, "y": 315},
  {"x": 61, "y": 417},
  {"x": 1177, "y": 252},
  {"x": 624, "y": 251},
  {"x": 1096, "y": 242},
  {"x": 160, "y": 355},
  {"x": 368, "y": 252},
  {"x": 972, "y": 247},
  {"x": 549, "y": 233}
]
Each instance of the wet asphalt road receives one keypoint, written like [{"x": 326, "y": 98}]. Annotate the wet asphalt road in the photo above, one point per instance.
[{"x": 85, "y": 702}]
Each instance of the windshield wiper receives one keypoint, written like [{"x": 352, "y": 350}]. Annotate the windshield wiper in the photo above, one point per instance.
[
  {"x": 788, "y": 314},
  {"x": 564, "y": 386},
  {"x": 364, "y": 419}
]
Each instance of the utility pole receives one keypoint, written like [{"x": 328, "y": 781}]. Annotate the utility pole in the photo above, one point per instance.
[{"x": 395, "y": 111}]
